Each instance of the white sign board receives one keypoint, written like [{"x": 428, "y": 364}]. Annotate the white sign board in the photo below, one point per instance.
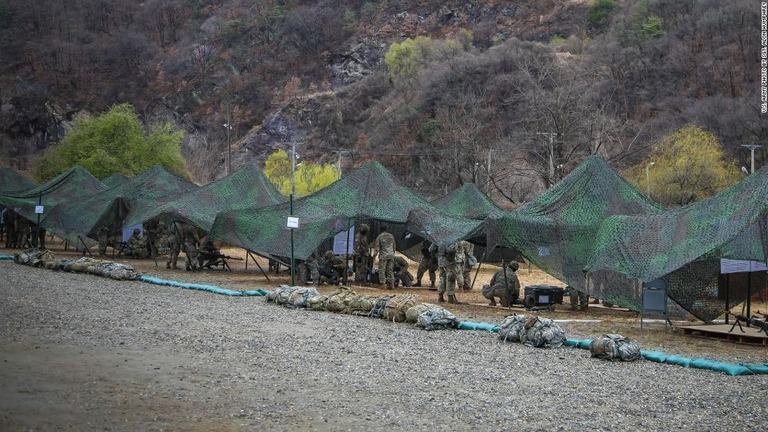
[
  {"x": 343, "y": 242},
  {"x": 293, "y": 222},
  {"x": 741, "y": 266},
  {"x": 39, "y": 209}
]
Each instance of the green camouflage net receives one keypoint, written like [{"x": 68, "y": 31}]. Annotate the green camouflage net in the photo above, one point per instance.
[
  {"x": 557, "y": 230},
  {"x": 684, "y": 245},
  {"x": 368, "y": 194},
  {"x": 120, "y": 206},
  {"x": 11, "y": 181},
  {"x": 115, "y": 180},
  {"x": 246, "y": 188},
  {"x": 468, "y": 201}
]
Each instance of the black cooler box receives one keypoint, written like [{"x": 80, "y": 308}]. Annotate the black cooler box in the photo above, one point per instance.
[{"x": 542, "y": 295}]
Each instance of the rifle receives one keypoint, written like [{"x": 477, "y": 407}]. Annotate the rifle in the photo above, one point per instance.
[{"x": 761, "y": 324}]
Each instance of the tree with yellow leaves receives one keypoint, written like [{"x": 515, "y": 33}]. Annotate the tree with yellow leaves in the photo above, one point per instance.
[
  {"x": 309, "y": 177},
  {"x": 686, "y": 165}
]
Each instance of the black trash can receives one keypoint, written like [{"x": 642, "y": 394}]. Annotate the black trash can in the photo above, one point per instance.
[{"x": 542, "y": 296}]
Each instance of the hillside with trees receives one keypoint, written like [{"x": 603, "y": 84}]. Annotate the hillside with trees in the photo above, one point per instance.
[{"x": 511, "y": 95}]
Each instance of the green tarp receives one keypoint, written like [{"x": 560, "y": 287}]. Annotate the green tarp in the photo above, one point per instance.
[
  {"x": 117, "y": 206},
  {"x": 367, "y": 194},
  {"x": 246, "y": 188},
  {"x": 11, "y": 181}
]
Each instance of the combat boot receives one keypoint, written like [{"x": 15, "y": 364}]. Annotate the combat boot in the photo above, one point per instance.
[
  {"x": 440, "y": 298},
  {"x": 417, "y": 284},
  {"x": 452, "y": 299},
  {"x": 493, "y": 302}
]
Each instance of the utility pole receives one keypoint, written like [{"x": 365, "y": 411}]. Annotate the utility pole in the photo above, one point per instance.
[
  {"x": 488, "y": 173},
  {"x": 338, "y": 162},
  {"x": 752, "y": 148},
  {"x": 228, "y": 126},
  {"x": 551, "y": 152},
  {"x": 293, "y": 191},
  {"x": 648, "y": 178}
]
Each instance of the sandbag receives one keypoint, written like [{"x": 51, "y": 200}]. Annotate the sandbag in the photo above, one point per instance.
[
  {"x": 437, "y": 319},
  {"x": 413, "y": 312},
  {"x": 340, "y": 300},
  {"x": 300, "y": 298},
  {"x": 362, "y": 305},
  {"x": 280, "y": 294},
  {"x": 317, "y": 302},
  {"x": 615, "y": 347},
  {"x": 512, "y": 328},
  {"x": 397, "y": 306},
  {"x": 543, "y": 333},
  {"x": 379, "y": 306}
]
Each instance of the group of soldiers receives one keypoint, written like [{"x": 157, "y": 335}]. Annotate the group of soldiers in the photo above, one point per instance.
[
  {"x": 19, "y": 232},
  {"x": 453, "y": 263},
  {"x": 158, "y": 239}
]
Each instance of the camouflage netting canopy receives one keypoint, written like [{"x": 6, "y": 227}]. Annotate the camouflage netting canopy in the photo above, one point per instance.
[
  {"x": 115, "y": 207},
  {"x": 73, "y": 185},
  {"x": 684, "y": 245},
  {"x": 115, "y": 179},
  {"x": 246, "y": 188},
  {"x": 369, "y": 194},
  {"x": 556, "y": 231},
  {"x": 468, "y": 201},
  {"x": 11, "y": 181}
]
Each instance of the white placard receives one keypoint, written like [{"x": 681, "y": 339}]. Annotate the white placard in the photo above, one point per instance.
[
  {"x": 741, "y": 266},
  {"x": 39, "y": 209},
  {"x": 293, "y": 222},
  {"x": 340, "y": 244}
]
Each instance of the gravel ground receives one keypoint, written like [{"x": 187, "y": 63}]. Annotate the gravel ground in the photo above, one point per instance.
[{"x": 80, "y": 352}]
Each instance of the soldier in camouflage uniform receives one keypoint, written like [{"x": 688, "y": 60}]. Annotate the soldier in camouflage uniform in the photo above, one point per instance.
[
  {"x": 174, "y": 244},
  {"x": 446, "y": 263},
  {"x": 579, "y": 300},
  {"x": 384, "y": 248},
  {"x": 428, "y": 264},
  {"x": 102, "y": 235},
  {"x": 310, "y": 268},
  {"x": 402, "y": 275},
  {"x": 137, "y": 247},
  {"x": 10, "y": 229},
  {"x": 469, "y": 262},
  {"x": 362, "y": 254},
  {"x": 505, "y": 285},
  {"x": 191, "y": 245},
  {"x": 464, "y": 250}
]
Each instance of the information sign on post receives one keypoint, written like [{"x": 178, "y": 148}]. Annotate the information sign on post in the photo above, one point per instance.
[
  {"x": 293, "y": 222},
  {"x": 39, "y": 209}
]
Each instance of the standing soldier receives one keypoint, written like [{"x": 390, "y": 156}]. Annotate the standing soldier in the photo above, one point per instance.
[
  {"x": 384, "y": 248},
  {"x": 174, "y": 244},
  {"x": 446, "y": 262},
  {"x": 102, "y": 235},
  {"x": 10, "y": 229},
  {"x": 362, "y": 253},
  {"x": 191, "y": 243},
  {"x": 464, "y": 273},
  {"x": 428, "y": 264},
  {"x": 579, "y": 300},
  {"x": 159, "y": 238}
]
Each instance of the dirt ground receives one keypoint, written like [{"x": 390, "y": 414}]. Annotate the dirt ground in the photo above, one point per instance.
[
  {"x": 155, "y": 390},
  {"x": 250, "y": 272}
]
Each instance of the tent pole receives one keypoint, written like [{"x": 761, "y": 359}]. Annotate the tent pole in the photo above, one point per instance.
[
  {"x": 293, "y": 263},
  {"x": 346, "y": 257},
  {"x": 479, "y": 264}
]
